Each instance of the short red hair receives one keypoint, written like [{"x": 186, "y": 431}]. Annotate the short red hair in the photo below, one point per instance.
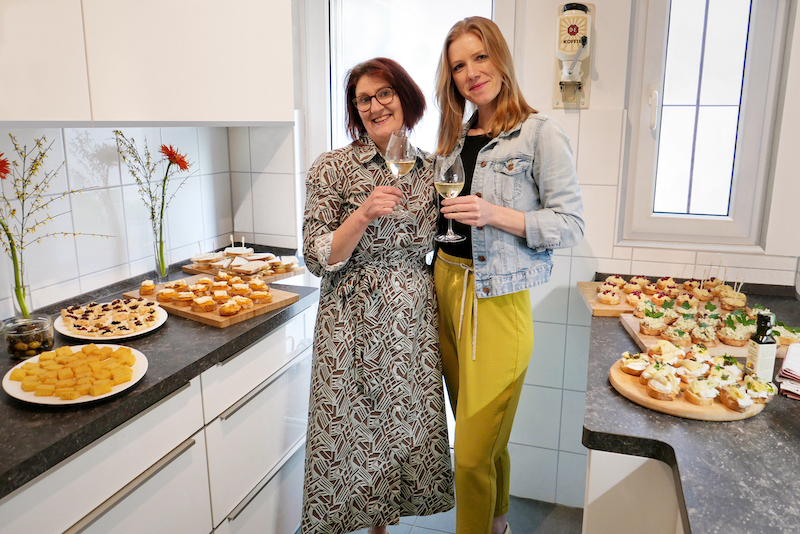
[{"x": 411, "y": 96}]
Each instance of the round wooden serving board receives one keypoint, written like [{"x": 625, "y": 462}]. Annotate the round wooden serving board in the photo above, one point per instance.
[{"x": 629, "y": 387}]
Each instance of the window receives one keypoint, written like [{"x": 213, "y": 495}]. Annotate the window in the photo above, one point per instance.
[
  {"x": 409, "y": 31},
  {"x": 704, "y": 88}
]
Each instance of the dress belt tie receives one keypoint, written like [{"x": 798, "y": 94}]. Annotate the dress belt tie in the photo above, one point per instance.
[
  {"x": 467, "y": 269},
  {"x": 359, "y": 284}
]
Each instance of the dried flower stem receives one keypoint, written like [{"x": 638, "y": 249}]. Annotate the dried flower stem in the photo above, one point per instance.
[
  {"x": 154, "y": 194},
  {"x": 20, "y": 224}
]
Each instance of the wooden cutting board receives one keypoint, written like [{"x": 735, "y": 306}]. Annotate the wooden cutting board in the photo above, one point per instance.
[
  {"x": 629, "y": 387},
  {"x": 208, "y": 270},
  {"x": 280, "y": 299},
  {"x": 589, "y": 294},
  {"x": 631, "y": 325}
]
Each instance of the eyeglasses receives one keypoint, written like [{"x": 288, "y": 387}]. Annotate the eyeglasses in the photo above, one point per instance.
[{"x": 384, "y": 96}]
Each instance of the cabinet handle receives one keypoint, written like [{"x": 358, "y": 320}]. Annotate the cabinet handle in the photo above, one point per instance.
[
  {"x": 119, "y": 496},
  {"x": 266, "y": 480},
  {"x": 263, "y": 385}
]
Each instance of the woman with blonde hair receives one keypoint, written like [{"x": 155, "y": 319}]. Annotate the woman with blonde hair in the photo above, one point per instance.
[{"x": 520, "y": 201}]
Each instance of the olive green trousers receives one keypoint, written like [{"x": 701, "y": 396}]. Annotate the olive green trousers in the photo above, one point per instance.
[{"x": 486, "y": 347}]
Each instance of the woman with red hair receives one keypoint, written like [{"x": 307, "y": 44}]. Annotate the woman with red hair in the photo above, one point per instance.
[{"x": 377, "y": 446}]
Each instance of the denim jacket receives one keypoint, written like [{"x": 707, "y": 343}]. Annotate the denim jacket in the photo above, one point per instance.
[{"x": 528, "y": 169}]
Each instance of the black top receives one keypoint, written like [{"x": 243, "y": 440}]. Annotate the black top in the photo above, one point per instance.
[{"x": 469, "y": 155}]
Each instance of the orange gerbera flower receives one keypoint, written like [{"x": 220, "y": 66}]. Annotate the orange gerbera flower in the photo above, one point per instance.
[
  {"x": 174, "y": 157},
  {"x": 5, "y": 167}
]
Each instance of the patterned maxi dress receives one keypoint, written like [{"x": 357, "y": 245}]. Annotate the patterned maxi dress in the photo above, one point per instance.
[{"x": 377, "y": 445}]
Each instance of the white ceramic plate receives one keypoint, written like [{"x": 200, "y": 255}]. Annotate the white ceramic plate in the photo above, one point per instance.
[
  {"x": 61, "y": 328},
  {"x": 14, "y": 388}
]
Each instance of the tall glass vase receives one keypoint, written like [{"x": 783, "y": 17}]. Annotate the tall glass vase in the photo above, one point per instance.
[
  {"x": 161, "y": 254},
  {"x": 21, "y": 297}
]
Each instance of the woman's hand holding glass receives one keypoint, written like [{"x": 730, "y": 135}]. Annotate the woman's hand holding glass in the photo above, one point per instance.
[
  {"x": 449, "y": 181},
  {"x": 381, "y": 202},
  {"x": 400, "y": 158},
  {"x": 472, "y": 210}
]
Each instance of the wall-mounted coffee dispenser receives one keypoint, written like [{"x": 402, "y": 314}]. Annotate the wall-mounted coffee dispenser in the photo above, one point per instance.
[{"x": 573, "y": 53}]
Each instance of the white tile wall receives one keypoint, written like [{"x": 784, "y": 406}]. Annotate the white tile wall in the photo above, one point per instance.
[
  {"x": 571, "y": 479},
  {"x": 265, "y": 189},
  {"x": 217, "y": 219},
  {"x": 98, "y": 212},
  {"x": 272, "y": 149},
  {"x": 600, "y": 144},
  {"x": 576, "y": 362},
  {"x": 533, "y": 472},
  {"x": 200, "y": 211},
  {"x": 547, "y": 361},
  {"x": 91, "y": 157},
  {"x": 242, "y": 201},
  {"x": 599, "y": 208},
  {"x": 572, "y": 422},
  {"x": 538, "y": 417},
  {"x": 239, "y": 149},
  {"x": 269, "y": 215},
  {"x": 548, "y": 301}
]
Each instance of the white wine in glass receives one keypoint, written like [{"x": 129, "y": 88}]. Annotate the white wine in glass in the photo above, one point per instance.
[
  {"x": 449, "y": 181},
  {"x": 400, "y": 158},
  {"x": 449, "y": 190},
  {"x": 399, "y": 168}
]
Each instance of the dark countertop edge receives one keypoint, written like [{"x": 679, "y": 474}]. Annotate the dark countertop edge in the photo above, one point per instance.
[{"x": 133, "y": 405}]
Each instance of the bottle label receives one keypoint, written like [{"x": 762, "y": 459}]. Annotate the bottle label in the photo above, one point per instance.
[{"x": 761, "y": 359}]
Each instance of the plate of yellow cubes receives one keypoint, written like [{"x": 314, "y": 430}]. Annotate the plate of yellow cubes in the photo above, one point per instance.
[{"x": 75, "y": 374}]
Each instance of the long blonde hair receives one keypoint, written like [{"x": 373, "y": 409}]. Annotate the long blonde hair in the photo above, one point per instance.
[{"x": 511, "y": 108}]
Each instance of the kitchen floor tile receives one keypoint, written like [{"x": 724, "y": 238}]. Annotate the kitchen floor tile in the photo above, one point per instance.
[{"x": 536, "y": 517}]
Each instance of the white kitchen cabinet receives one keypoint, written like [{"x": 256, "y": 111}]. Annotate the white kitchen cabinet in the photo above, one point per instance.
[
  {"x": 171, "y": 496},
  {"x": 189, "y": 61},
  {"x": 276, "y": 507},
  {"x": 615, "y": 480},
  {"x": 233, "y": 378},
  {"x": 65, "y": 494},
  {"x": 43, "y": 62},
  {"x": 115, "y": 62},
  {"x": 250, "y": 438}
]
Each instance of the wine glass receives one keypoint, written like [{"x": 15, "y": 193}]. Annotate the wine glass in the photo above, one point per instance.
[
  {"x": 449, "y": 181},
  {"x": 400, "y": 158}
]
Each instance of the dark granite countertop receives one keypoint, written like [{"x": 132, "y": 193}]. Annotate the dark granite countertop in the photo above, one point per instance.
[
  {"x": 732, "y": 477},
  {"x": 36, "y": 437}
]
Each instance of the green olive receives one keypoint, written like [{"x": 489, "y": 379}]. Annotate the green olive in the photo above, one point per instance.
[
  {"x": 20, "y": 346},
  {"x": 31, "y": 352},
  {"x": 34, "y": 344}
]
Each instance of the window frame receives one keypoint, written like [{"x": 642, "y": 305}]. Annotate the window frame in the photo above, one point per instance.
[{"x": 744, "y": 227}]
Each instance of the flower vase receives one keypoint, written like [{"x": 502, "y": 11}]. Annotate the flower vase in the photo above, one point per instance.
[
  {"x": 21, "y": 297},
  {"x": 161, "y": 253}
]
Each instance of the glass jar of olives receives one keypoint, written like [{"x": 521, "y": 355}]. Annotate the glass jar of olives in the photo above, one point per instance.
[{"x": 28, "y": 336}]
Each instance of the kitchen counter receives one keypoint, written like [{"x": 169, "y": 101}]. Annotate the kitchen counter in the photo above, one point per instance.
[
  {"x": 731, "y": 477},
  {"x": 36, "y": 437}
]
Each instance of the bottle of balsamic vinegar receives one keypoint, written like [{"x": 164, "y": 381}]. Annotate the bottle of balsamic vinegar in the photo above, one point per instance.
[{"x": 762, "y": 349}]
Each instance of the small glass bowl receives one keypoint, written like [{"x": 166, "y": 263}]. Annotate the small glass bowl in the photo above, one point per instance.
[{"x": 27, "y": 337}]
